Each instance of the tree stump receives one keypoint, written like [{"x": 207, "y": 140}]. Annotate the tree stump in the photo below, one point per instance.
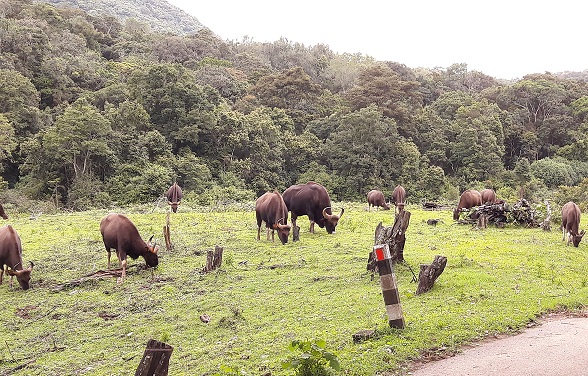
[
  {"x": 155, "y": 360},
  {"x": 393, "y": 236},
  {"x": 214, "y": 259},
  {"x": 546, "y": 224},
  {"x": 429, "y": 273},
  {"x": 295, "y": 233},
  {"x": 166, "y": 234},
  {"x": 483, "y": 221}
]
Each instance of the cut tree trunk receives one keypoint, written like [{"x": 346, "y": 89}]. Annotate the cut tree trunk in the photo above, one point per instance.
[
  {"x": 429, "y": 273},
  {"x": 155, "y": 360},
  {"x": 394, "y": 236},
  {"x": 214, "y": 259},
  {"x": 546, "y": 224},
  {"x": 166, "y": 234}
]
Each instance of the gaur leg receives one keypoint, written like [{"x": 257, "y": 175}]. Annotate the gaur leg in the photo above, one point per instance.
[
  {"x": 122, "y": 258},
  {"x": 294, "y": 216},
  {"x": 311, "y": 227},
  {"x": 108, "y": 250},
  {"x": 267, "y": 233},
  {"x": 258, "y": 231}
]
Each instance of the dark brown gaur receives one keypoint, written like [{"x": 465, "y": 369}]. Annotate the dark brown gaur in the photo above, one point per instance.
[
  {"x": 488, "y": 196},
  {"x": 376, "y": 199},
  {"x": 399, "y": 195},
  {"x": 570, "y": 223},
  {"x": 119, "y": 233},
  {"x": 468, "y": 199},
  {"x": 311, "y": 199},
  {"x": 271, "y": 209},
  {"x": 174, "y": 196},
  {"x": 11, "y": 256}
]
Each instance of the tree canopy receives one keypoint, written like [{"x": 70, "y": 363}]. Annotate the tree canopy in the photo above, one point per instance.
[{"x": 94, "y": 109}]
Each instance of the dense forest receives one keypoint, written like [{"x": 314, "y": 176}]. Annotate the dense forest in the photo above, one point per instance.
[{"x": 95, "y": 111}]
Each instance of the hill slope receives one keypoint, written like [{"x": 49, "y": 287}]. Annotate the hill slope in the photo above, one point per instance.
[{"x": 159, "y": 14}]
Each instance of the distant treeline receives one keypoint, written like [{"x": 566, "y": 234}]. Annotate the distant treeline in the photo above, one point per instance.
[{"x": 95, "y": 111}]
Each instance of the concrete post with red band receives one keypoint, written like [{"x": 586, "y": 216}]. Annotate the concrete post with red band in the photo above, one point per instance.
[{"x": 388, "y": 283}]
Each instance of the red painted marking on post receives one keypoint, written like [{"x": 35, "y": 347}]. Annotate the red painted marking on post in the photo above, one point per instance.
[{"x": 380, "y": 254}]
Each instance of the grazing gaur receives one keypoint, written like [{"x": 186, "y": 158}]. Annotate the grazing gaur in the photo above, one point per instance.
[
  {"x": 488, "y": 196},
  {"x": 2, "y": 212},
  {"x": 399, "y": 195},
  {"x": 468, "y": 199},
  {"x": 120, "y": 233},
  {"x": 376, "y": 199},
  {"x": 11, "y": 256},
  {"x": 570, "y": 223},
  {"x": 174, "y": 196},
  {"x": 271, "y": 209},
  {"x": 311, "y": 199}
]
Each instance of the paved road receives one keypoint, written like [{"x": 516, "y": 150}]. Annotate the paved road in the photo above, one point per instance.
[{"x": 557, "y": 347}]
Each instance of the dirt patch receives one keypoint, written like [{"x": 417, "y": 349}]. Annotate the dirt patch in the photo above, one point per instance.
[{"x": 24, "y": 313}]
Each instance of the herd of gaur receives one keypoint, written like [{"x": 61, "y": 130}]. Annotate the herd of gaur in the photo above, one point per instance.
[{"x": 310, "y": 199}]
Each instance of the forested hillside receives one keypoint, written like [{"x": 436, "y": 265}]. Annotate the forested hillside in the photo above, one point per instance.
[
  {"x": 160, "y": 15},
  {"x": 94, "y": 110}
]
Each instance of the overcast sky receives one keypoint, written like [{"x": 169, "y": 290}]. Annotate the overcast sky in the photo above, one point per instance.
[{"x": 502, "y": 38}]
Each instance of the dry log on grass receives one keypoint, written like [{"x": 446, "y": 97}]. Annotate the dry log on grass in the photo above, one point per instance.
[
  {"x": 99, "y": 274},
  {"x": 429, "y": 273},
  {"x": 500, "y": 213},
  {"x": 155, "y": 361}
]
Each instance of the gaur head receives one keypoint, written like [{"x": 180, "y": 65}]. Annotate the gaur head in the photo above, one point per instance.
[
  {"x": 283, "y": 230},
  {"x": 22, "y": 276},
  {"x": 577, "y": 238},
  {"x": 331, "y": 220},
  {"x": 150, "y": 255}
]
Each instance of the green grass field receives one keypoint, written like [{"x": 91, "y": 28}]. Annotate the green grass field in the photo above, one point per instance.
[{"x": 267, "y": 294}]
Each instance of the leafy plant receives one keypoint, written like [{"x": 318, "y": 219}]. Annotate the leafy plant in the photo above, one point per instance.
[{"x": 313, "y": 359}]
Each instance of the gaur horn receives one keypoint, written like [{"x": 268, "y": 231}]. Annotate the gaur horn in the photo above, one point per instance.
[{"x": 327, "y": 216}]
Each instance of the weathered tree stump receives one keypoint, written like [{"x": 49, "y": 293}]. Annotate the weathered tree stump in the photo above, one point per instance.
[
  {"x": 155, "y": 360},
  {"x": 393, "y": 236},
  {"x": 429, "y": 273},
  {"x": 483, "y": 221},
  {"x": 214, "y": 259},
  {"x": 295, "y": 233},
  {"x": 433, "y": 221},
  {"x": 363, "y": 335},
  {"x": 166, "y": 234},
  {"x": 546, "y": 224}
]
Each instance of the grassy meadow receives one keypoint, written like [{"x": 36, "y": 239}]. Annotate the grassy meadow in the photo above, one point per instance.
[{"x": 267, "y": 294}]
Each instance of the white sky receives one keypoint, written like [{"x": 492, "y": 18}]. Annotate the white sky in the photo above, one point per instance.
[{"x": 501, "y": 38}]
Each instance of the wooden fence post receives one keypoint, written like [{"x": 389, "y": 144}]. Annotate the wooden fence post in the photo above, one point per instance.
[{"x": 155, "y": 360}]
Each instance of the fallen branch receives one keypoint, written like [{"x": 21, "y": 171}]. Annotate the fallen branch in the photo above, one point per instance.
[
  {"x": 99, "y": 274},
  {"x": 17, "y": 368}
]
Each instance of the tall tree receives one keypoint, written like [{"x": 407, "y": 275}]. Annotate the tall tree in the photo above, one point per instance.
[
  {"x": 79, "y": 141},
  {"x": 363, "y": 152}
]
